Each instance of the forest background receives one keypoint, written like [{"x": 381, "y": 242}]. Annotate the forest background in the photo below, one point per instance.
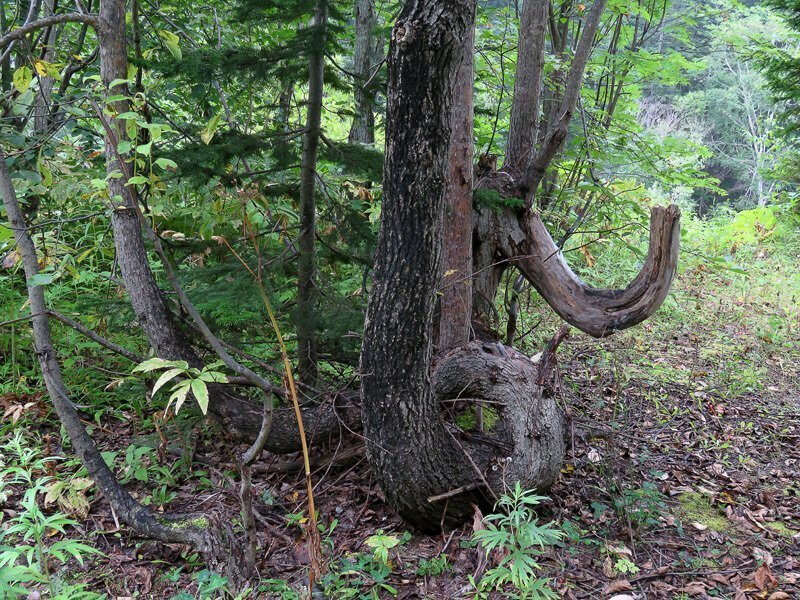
[{"x": 253, "y": 137}]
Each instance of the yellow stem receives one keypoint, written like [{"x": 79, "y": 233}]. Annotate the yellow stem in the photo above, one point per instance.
[{"x": 312, "y": 531}]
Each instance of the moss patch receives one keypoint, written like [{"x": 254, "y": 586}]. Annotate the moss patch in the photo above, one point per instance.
[
  {"x": 782, "y": 529},
  {"x": 697, "y": 508},
  {"x": 468, "y": 420},
  {"x": 197, "y": 522}
]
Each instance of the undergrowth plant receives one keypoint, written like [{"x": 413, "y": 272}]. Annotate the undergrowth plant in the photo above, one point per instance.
[
  {"x": 517, "y": 535},
  {"x": 27, "y": 557}
]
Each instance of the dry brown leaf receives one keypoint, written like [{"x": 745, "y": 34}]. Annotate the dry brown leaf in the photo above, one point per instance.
[
  {"x": 762, "y": 556},
  {"x": 620, "y": 585},
  {"x": 791, "y": 578},
  {"x": 608, "y": 567},
  {"x": 764, "y": 578},
  {"x": 720, "y": 578},
  {"x": 10, "y": 259},
  {"x": 695, "y": 588},
  {"x": 779, "y": 596}
]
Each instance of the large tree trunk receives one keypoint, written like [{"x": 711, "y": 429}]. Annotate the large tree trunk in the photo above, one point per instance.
[
  {"x": 455, "y": 309},
  {"x": 429, "y": 470},
  {"x": 367, "y": 54},
  {"x": 431, "y": 463},
  {"x": 411, "y": 454},
  {"x": 307, "y": 293}
]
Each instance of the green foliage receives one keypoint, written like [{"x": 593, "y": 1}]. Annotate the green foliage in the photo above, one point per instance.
[
  {"x": 492, "y": 200},
  {"x": 365, "y": 575},
  {"x": 780, "y": 62},
  {"x": 192, "y": 381},
  {"x": 212, "y": 586},
  {"x": 516, "y": 531},
  {"x": 434, "y": 567},
  {"x": 642, "y": 506},
  {"x": 27, "y": 551}
]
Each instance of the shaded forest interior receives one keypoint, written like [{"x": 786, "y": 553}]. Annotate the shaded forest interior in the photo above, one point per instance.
[{"x": 385, "y": 299}]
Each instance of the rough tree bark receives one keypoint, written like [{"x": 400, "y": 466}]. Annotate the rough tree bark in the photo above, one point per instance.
[
  {"x": 148, "y": 302},
  {"x": 367, "y": 54},
  {"x": 455, "y": 308},
  {"x": 307, "y": 293},
  {"x": 428, "y": 469},
  {"x": 431, "y": 470}
]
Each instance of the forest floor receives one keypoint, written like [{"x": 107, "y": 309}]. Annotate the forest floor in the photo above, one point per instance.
[{"x": 682, "y": 477}]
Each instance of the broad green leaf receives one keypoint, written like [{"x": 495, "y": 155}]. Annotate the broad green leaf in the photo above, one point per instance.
[
  {"x": 144, "y": 149},
  {"x": 117, "y": 82},
  {"x": 165, "y": 377},
  {"x": 213, "y": 377},
  {"x": 172, "y": 42},
  {"x": 200, "y": 392},
  {"x": 152, "y": 364},
  {"x": 179, "y": 396},
  {"x": 47, "y": 175},
  {"x": 166, "y": 163},
  {"x": 41, "y": 279},
  {"x": 137, "y": 180},
  {"x": 211, "y": 128},
  {"x": 46, "y": 69}
]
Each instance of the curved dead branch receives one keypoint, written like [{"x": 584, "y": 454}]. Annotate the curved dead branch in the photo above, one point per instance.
[
  {"x": 600, "y": 312},
  {"x": 514, "y": 237}
]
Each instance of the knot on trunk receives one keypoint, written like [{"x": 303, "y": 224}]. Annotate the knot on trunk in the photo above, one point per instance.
[{"x": 503, "y": 413}]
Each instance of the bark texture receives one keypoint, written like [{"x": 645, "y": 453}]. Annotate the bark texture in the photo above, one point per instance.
[
  {"x": 552, "y": 141},
  {"x": 410, "y": 451},
  {"x": 515, "y": 237},
  {"x": 455, "y": 314},
  {"x": 148, "y": 303},
  {"x": 429, "y": 469}
]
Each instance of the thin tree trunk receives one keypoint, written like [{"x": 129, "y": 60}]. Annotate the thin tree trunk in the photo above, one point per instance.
[
  {"x": 490, "y": 231},
  {"x": 155, "y": 318},
  {"x": 367, "y": 54},
  {"x": 148, "y": 302},
  {"x": 42, "y": 118},
  {"x": 527, "y": 86},
  {"x": 553, "y": 140},
  {"x": 307, "y": 293},
  {"x": 455, "y": 314},
  {"x": 5, "y": 63}
]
